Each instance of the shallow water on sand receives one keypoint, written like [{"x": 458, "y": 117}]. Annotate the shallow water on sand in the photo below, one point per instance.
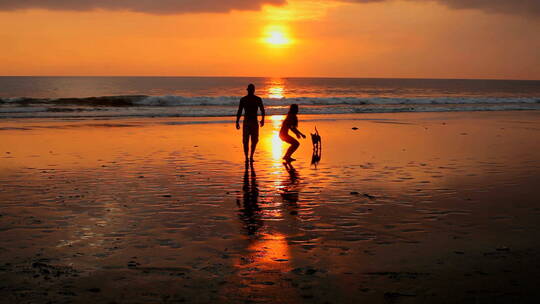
[{"x": 165, "y": 210}]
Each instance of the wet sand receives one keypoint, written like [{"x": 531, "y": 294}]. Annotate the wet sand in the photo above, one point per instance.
[{"x": 407, "y": 208}]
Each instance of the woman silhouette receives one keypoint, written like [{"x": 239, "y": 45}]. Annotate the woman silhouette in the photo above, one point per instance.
[{"x": 290, "y": 123}]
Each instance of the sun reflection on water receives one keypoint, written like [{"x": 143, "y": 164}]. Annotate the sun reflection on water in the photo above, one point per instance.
[
  {"x": 274, "y": 144},
  {"x": 271, "y": 251},
  {"x": 276, "y": 89},
  {"x": 276, "y": 92},
  {"x": 267, "y": 258}
]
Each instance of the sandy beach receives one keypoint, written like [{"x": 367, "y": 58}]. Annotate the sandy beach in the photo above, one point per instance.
[{"x": 404, "y": 208}]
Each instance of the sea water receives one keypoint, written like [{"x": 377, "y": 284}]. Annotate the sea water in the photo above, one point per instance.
[{"x": 110, "y": 97}]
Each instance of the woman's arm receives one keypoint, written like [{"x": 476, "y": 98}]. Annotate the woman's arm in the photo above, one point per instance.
[{"x": 297, "y": 132}]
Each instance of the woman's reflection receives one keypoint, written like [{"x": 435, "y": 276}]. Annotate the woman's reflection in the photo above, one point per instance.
[{"x": 290, "y": 188}]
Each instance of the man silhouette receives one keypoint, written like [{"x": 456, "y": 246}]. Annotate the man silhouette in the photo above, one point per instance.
[{"x": 250, "y": 104}]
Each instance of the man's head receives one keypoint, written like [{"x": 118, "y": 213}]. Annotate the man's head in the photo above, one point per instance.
[{"x": 251, "y": 88}]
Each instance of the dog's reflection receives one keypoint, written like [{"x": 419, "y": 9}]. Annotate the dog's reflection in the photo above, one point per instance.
[
  {"x": 316, "y": 157},
  {"x": 317, "y": 148}
]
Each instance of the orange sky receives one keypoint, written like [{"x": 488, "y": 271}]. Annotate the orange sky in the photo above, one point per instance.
[{"x": 421, "y": 39}]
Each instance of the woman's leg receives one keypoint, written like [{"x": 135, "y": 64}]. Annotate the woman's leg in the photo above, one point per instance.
[{"x": 294, "y": 145}]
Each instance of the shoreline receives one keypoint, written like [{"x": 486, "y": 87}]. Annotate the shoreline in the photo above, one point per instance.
[
  {"x": 311, "y": 117},
  {"x": 410, "y": 207}
]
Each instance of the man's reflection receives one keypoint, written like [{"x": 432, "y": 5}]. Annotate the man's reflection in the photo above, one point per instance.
[
  {"x": 250, "y": 212},
  {"x": 267, "y": 254}
]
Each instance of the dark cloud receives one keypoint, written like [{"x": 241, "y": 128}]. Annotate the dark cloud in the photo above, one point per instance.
[
  {"x": 519, "y": 7},
  {"x": 528, "y": 7},
  {"x": 145, "y": 6}
]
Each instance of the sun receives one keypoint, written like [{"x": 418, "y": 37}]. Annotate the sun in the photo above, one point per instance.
[{"x": 277, "y": 36}]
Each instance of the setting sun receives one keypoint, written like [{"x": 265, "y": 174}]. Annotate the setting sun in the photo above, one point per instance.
[
  {"x": 269, "y": 151},
  {"x": 277, "y": 36}
]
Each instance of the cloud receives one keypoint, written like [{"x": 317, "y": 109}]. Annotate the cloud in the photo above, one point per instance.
[
  {"x": 521, "y": 7},
  {"x": 143, "y": 6},
  {"x": 517, "y": 7}
]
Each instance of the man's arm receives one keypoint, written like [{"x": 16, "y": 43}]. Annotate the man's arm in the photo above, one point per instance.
[
  {"x": 239, "y": 113},
  {"x": 261, "y": 106}
]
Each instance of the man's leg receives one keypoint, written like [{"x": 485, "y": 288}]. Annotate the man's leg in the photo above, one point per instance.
[
  {"x": 254, "y": 139},
  {"x": 253, "y": 146},
  {"x": 245, "y": 140}
]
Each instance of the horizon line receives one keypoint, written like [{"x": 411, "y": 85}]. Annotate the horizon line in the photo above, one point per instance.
[{"x": 276, "y": 77}]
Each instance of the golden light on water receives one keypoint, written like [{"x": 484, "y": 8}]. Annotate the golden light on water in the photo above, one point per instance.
[
  {"x": 276, "y": 92},
  {"x": 268, "y": 252},
  {"x": 266, "y": 258},
  {"x": 271, "y": 251},
  {"x": 275, "y": 145},
  {"x": 276, "y": 89}
]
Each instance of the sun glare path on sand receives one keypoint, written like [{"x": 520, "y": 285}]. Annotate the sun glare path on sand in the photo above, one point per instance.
[{"x": 275, "y": 144}]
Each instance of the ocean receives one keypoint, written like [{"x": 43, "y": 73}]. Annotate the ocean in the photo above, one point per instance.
[{"x": 113, "y": 97}]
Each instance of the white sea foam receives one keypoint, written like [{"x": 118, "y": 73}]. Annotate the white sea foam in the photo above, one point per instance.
[
  {"x": 172, "y": 106},
  {"x": 233, "y": 101}
]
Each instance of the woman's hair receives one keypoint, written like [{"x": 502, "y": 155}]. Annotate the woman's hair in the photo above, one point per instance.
[{"x": 293, "y": 110}]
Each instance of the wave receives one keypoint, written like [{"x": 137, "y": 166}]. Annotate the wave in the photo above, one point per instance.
[
  {"x": 180, "y": 101},
  {"x": 180, "y": 106},
  {"x": 103, "y": 101},
  {"x": 228, "y": 111}
]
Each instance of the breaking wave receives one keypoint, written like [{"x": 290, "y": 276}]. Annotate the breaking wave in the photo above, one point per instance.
[
  {"x": 179, "y": 101},
  {"x": 171, "y": 106}
]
